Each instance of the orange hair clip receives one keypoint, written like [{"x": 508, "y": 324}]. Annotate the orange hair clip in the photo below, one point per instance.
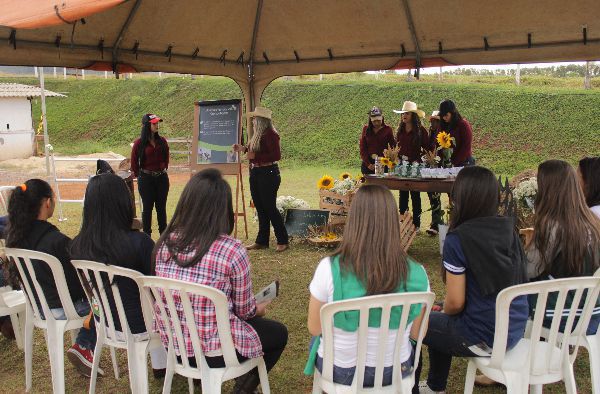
[{"x": 23, "y": 187}]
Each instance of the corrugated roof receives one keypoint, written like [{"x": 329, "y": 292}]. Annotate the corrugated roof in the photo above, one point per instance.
[{"x": 19, "y": 90}]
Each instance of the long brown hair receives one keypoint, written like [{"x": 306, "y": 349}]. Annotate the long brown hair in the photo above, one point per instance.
[
  {"x": 561, "y": 213},
  {"x": 370, "y": 248}
]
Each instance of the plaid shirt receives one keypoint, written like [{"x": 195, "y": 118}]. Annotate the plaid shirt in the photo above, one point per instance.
[{"x": 225, "y": 267}]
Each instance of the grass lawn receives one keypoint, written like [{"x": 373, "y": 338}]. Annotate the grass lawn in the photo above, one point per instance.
[{"x": 293, "y": 268}]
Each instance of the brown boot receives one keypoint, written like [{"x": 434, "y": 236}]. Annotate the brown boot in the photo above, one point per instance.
[
  {"x": 256, "y": 246},
  {"x": 281, "y": 248}
]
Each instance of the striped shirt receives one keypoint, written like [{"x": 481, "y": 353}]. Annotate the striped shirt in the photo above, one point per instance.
[{"x": 225, "y": 267}]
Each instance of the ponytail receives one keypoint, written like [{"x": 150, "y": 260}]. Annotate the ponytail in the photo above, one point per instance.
[{"x": 23, "y": 209}]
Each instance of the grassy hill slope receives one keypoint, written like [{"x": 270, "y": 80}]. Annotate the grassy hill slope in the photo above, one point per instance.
[{"x": 320, "y": 121}]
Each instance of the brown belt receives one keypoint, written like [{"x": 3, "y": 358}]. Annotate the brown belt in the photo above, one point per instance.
[{"x": 254, "y": 165}]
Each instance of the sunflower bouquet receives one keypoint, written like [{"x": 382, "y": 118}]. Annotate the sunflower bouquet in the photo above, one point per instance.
[
  {"x": 390, "y": 156},
  {"x": 446, "y": 143}
]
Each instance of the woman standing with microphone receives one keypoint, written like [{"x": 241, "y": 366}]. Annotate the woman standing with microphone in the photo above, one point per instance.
[
  {"x": 149, "y": 163},
  {"x": 263, "y": 152}
]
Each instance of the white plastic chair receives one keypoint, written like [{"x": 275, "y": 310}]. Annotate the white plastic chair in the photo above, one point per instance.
[
  {"x": 592, "y": 344},
  {"x": 211, "y": 378},
  {"x": 55, "y": 329},
  {"x": 534, "y": 361},
  {"x": 12, "y": 303},
  {"x": 4, "y": 196},
  {"x": 95, "y": 277},
  {"x": 324, "y": 381}
]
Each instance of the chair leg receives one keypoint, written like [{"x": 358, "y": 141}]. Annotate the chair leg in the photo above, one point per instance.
[
  {"x": 169, "y": 373},
  {"x": 516, "y": 383},
  {"x": 316, "y": 387},
  {"x": 113, "y": 357},
  {"x": 138, "y": 367},
  {"x": 264, "y": 377},
  {"x": 96, "y": 362},
  {"x": 593, "y": 348},
  {"x": 469, "y": 378},
  {"x": 17, "y": 323},
  {"x": 56, "y": 353},
  {"x": 536, "y": 389},
  {"x": 28, "y": 350},
  {"x": 569, "y": 378}
]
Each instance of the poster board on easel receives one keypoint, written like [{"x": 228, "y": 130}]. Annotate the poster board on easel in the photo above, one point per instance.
[{"x": 217, "y": 126}]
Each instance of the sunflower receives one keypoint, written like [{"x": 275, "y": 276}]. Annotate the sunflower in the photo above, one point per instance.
[
  {"x": 386, "y": 162},
  {"x": 361, "y": 178},
  {"x": 444, "y": 140},
  {"x": 345, "y": 175},
  {"x": 326, "y": 182}
]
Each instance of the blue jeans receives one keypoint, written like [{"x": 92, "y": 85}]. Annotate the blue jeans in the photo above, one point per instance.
[
  {"x": 86, "y": 339},
  {"x": 346, "y": 375}
]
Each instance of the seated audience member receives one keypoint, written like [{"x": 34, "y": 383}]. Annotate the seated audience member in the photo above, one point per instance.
[
  {"x": 589, "y": 174},
  {"x": 482, "y": 255},
  {"x": 3, "y": 224},
  {"x": 197, "y": 247},
  {"x": 106, "y": 237},
  {"x": 29, "y": 208},
  {"x": 566, "y": 238},
  {"x": 369, "y": 261}
]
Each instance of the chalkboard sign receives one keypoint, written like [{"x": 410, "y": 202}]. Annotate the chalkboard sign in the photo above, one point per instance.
[
  {"x": 219, "y": 124},
  {"x": 298, "y": 220}
]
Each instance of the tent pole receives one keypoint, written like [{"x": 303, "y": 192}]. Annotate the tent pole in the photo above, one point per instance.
[
  {"x": 413, "y": 33},
  {"x": 44, "y": 122}
]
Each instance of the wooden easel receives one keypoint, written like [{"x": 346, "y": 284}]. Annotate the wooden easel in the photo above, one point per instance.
[{"x": 227, "y": 169}]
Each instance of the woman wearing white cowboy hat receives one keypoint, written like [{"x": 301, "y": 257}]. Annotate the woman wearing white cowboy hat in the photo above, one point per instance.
[
  {"x": 375, "y": 137},
  {"x": 264, "y": 152},
  {"x": 412, "y": 137}
]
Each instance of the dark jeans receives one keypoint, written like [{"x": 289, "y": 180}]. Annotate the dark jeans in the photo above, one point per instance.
[
  {"x": 264, "y": 184},
  {"x": 273, "y": 337},
  {"x": 365, "y": 170},
  {"x": 86, "y": 338},
  {"x": 436, "y": 209},
  {"x": 346, "y": 375},
  {"x": 153, "y": 192},
  {"x": 443, "y": 340},
  {"x": 416, "y": 205}
]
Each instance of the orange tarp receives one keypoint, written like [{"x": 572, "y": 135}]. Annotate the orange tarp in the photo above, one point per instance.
[{"x": 33, "y": 14}]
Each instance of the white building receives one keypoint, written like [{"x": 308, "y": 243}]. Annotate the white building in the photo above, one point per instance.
[{"x": 17, "y": 128}]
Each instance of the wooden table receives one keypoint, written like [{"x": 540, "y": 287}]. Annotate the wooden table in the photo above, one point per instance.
[{"x": 412, "y": 184}]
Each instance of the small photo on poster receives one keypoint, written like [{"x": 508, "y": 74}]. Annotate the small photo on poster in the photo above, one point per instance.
[
  {"x": 204, "y": 155},
  {"x": 232, "y": 157}
]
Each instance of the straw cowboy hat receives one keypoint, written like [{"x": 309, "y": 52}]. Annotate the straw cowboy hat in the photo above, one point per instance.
[
  {"x": 409, "y": 106},
  {"x": 263, "y": 112}
]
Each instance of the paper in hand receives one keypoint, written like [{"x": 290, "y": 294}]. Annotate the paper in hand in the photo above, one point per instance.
[{"x": 269, "y": 293}]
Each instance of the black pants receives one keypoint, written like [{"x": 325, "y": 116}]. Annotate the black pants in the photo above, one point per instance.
[
  {"x": 366, "y": 170},
  {"x": 444, "y": 340},
  {"x": 153, "y": 192},
  {"x": 273, "y": 337},
  {"x": 416, "y": 205},
  {"x": 264, "y": 184},
  {"x": 436, "y": 209}
]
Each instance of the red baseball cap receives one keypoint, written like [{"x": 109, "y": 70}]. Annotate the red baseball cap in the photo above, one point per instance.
[{"x": 151, "y": 118}]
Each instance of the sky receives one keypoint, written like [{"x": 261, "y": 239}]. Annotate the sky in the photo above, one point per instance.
[{"x": 435, "y": 70}]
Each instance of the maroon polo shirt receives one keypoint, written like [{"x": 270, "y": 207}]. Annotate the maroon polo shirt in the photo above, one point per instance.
[
  {"x": 154, "y": 157},
  {"x": 270, "y": 150},
  {"x": 463, "y": 135},
  {"x": 375, "y": 143},
  {"x": 409, "y": 148}
]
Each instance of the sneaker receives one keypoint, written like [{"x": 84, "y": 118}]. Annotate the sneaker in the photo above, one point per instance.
[
  {"x": 83, "y": 360},
  {"x": 424, "y": 389},
  {"x": 432, "y": 231}
]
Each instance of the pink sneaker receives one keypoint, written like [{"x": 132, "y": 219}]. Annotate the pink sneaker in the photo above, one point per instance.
[{"x": 83, "y": 360}]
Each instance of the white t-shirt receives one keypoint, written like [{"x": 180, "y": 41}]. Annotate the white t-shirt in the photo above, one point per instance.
[
  {"x": 345, "y": 344},
  {"x": 596, "y": 210}
]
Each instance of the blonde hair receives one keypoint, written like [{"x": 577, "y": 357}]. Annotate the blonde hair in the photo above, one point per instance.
[
  {"x": 370, "y": 247},
  {"x": 262, "y": 124}
]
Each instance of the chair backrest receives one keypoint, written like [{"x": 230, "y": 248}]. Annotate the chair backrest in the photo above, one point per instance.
[
  {"x": 163, "y": 293},
  {"x": 102, "y": 290},
  {"x": 363, "y": 305},
  {"x": 582, "y": 289},
  {"x": 408, "y": 230},
  {"x": 4, "y": 196},
  {"x": 25, "y": 260}
]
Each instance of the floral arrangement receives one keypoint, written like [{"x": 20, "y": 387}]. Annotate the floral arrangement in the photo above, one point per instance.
[
  {"x": 327, "y": 236},
  {"x": 525, "y": 193},
  {"x": 326, "y": 182},
  {"x": 390, "y": 156},
  {"x": 445, "y": 142},
  {"x": 346, "y": 184},
  {"x": 431, "y": 158},
  {"x": 284, "y": 203}
]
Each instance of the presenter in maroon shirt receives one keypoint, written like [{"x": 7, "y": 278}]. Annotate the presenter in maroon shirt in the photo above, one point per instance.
[
  {"x": 149, "y": 163},
  {"x": 263, "y": 152},
  {"x": 459, "y": 128},
  {"x": 375, "y": 137}
]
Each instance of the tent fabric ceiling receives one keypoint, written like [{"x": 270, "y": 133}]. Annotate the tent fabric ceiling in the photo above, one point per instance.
[{"x": 295, "y": 36}]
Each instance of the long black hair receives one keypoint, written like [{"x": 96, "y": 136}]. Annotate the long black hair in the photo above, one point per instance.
[
  {"x": 107, "y": 218},
  {"x": 475, "y": 194},
  {"x": 417, "y": 138},
  {"x": 589, "y": 168},
  {"x": 145, "y": 136},
  {"x": 445, "y": 107},
  {"x": 203, "y": 213},
  {"x": 24, "y": 207}
]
